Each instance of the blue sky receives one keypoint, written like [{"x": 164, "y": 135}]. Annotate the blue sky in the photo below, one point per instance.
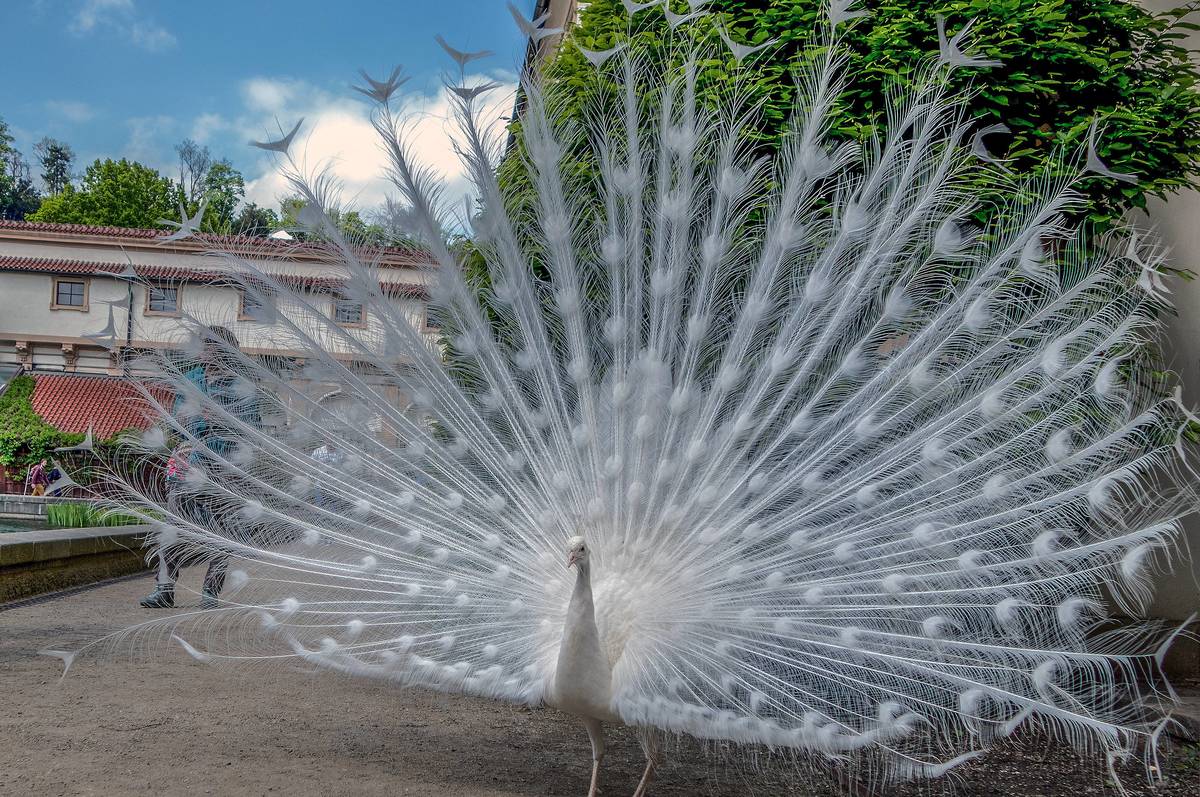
[{"x": 131, "y": 78}]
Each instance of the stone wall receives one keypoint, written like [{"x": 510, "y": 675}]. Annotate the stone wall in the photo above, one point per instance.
[{"x": 33, "y": 562}]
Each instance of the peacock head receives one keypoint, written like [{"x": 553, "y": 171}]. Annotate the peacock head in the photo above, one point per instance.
[{"x": 577, "y": 552}]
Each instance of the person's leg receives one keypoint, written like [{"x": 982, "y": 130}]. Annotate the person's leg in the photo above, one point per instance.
[
  {"x": 214, "y": 579},
  {"x": 170, "y": 560}
]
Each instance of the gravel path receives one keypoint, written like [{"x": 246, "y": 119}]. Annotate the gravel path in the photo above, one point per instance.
[{"x": 174, "y": 726}]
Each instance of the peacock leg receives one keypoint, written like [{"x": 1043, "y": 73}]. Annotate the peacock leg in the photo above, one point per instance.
[
  {"x": 595, "y": 733},
  {"x": 649, "y": 740}
]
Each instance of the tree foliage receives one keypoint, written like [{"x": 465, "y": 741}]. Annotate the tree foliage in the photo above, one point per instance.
[
  {"x": 18, "y": 195},
  {"x": 350, "y": 224},
  {"x": 195, "y": 161},
  {"x": 225, "y": 188},
  {"x": 114, "y": 193},
  {"x": 255, "y": 220},
  {"x": 1064, "y": 63},
  {"x": 56, "y": 158}
]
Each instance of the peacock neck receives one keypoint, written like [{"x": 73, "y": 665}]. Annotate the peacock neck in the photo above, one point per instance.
[
  {"x": 583, "y": 677},
  {"x": 583, "y": 580}
]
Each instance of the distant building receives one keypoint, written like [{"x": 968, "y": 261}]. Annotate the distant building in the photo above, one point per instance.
[{"x": 61, "y": 283}]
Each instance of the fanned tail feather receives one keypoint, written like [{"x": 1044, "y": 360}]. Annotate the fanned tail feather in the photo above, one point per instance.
[{"x": 856, "y": 477}]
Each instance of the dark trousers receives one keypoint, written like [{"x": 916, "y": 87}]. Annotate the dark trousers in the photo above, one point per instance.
[{"x": 171, "y": 558}]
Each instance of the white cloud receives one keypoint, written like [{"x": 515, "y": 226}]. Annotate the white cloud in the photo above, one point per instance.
[
  {"x": 152, "y": 37},
  {"x": 205, "y": 125},
  {"x": 268, "y": 95},
  {"x": 124, "y": 18},
  {"x": 337, "y": 131},
  {"x": 146, "y": 134},
  {"x": 71, "y": 110},
  {"x": 95, "y": 12}
]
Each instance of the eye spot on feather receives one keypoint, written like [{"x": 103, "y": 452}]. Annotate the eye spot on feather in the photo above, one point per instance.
[
  {"x": 236, "y": 580},
  {"x": 752, "y": 531}
]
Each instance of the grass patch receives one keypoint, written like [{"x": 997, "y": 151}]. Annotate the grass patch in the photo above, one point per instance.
[{"x": 79, "y": 515}]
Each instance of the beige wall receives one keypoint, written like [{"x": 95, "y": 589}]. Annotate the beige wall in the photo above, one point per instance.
[{"x": 1177, "y": 221}]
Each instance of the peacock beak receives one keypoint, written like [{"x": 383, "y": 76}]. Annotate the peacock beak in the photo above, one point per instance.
[{"x": 572, "y": 558}]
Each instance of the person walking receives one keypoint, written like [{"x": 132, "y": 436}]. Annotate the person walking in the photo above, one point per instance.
[
  {"x": 330, "y": 457},
  {"x": 38, "y": 478},
  {"x": 215, "y": 375}
]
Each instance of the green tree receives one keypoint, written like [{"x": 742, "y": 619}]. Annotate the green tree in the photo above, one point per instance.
[
  {"x": 1063, "y": 63},
  {"x": 195, "y": 161},
  {"x": 225, "y": 189},
  {"x": 18, "y": 195},
  {"x": 255, "y": 220},
  {"x": 114, "y": 193},
  {"x": 55, "y": 158},
  {"x": 350, "y": 224}
]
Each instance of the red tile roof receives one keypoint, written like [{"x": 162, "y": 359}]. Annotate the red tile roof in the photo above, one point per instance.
[
  {"x": 81, "y": 229},
  {"x": 63, "y": 266},
  {"x": 391, "y": 256},
  {"x": 72, "y": 403}
]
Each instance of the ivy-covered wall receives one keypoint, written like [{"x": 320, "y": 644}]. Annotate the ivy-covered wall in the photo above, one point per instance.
[
  {"x": 25, "y": 437},
  {"x": 1063, "y": 63}
]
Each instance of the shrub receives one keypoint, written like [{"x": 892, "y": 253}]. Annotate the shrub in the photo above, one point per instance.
[{"x": 25, "y": 437}]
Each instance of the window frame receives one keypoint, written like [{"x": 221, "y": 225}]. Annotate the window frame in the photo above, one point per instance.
[
  {"x": 151, "y": 287},
  {"x": 340, "y": 300},
  {"x": 242, "y": 314},
  {"x": 81, "y": 308}
]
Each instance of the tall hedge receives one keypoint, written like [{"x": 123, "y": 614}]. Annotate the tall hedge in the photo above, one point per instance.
[{"x": 1064, "y": 62}]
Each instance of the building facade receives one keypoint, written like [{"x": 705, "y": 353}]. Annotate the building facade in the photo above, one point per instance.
[
  {"x": 60, "y": 284},
  {"x": 79, "y": 305}
]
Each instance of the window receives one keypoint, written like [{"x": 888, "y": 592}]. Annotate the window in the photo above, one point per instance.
[
  {"x": 346, "y": 311},
  {"x": 69, "y": 294},
  {"x": 162, "y": 299},
  {"x": 253, "y": 303},
  {"x": 251, "y": 307}
]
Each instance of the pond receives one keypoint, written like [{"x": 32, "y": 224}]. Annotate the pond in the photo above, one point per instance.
[{"x": 22, "y": 524}]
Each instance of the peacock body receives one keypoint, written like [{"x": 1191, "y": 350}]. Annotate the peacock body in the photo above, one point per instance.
[{"x": 770, "y": 449}]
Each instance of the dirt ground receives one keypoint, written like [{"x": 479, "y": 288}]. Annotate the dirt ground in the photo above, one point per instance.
[{"x": 175, "y": 726}]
